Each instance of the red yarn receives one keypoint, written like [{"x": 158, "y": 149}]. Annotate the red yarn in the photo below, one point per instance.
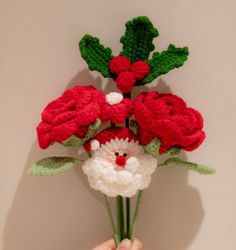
[
  {"x": 120, "y": 160},
  {"x": 166, "y": 117},
  {"x": 119, "y": 64},
  {"x": 125, "y": 81},
  {"x": 127, "y": 74},
  {"x": 117, "y": 113},
  {"x": 112, "y": 133},
  {"x": 140, "y": 69},
  {"x": 70, "y": 114}
]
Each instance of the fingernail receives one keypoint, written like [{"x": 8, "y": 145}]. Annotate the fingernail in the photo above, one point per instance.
[{"x": 124, "y": 245}]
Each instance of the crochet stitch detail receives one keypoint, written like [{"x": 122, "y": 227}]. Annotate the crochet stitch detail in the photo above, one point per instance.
[
  {"x": 137, "y": 40},
  {"x": 95, "y": 54}
]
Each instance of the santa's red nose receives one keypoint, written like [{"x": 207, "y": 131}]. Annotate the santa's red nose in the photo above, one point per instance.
[{"x": 120, "y": 160}]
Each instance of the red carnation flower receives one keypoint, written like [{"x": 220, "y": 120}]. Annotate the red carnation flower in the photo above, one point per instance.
[
  {"x": 116, "y": 108},
  {"x": 70, "y": 114},
  {"x": 167, "y": 118}
]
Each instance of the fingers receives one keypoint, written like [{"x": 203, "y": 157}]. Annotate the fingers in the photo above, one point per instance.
[
  {"x": 137, "y": 245},
  {"x": 127, "y": 245},
  {"x": 107, "y": 245}
]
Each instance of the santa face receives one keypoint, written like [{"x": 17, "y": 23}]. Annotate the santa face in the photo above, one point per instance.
[{"x": 120, "y": 167}]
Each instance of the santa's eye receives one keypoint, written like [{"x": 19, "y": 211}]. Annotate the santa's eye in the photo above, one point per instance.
[
  {"x": 116, "y": 153},
  {"x": 125, "y": 154}
]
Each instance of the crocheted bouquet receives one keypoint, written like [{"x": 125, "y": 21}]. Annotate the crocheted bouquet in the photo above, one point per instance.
[{"x": 126, "y": 139}]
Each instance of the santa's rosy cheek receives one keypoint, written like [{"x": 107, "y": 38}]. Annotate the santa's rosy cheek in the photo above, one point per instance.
[{"x": 110, "y": 159}]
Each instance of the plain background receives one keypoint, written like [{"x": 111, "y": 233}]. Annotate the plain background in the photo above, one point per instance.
[{"x": 39, "y": 58}]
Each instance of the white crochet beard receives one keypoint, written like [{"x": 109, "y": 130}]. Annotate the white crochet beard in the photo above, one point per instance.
[{"x": 104, "y": 175}]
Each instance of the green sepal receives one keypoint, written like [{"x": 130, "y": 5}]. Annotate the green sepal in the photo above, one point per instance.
[
  {"x": 137, "y": 40},
  {"x": 95, "y": 54},
  {"x": 153, "y": 147},
  {"x": 162, "y": 63},
  {"x": 77, "y": 142},
  {"x": 188, "y": 165},
  {"x": 52, "y": 166}
]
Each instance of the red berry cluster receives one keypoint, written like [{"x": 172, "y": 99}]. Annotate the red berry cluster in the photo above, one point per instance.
[{"x": 127, "y": 73}]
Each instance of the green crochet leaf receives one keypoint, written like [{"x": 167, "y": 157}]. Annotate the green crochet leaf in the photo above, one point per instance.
[
  {"x": 77, "y": 142},
  {"x": 162, "y": 63},
  {"x": 153, "y": 149},
  {"x": 188, "y": 165},
  {"x": 52, "y": 166},
  {"x": 137, "y": 40},
  {"x": 95, "y": 54}
]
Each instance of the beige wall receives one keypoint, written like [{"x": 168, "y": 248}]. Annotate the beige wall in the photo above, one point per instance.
[{"x": 39, "y": 58}]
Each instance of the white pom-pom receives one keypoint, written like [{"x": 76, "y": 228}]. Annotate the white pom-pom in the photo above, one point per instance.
[
  {"x": 114, "y": 98},
  {"x": 95, "y": 144}
]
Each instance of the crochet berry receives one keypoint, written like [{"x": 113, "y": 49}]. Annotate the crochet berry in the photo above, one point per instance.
[
  {"x": 119, "y": 64},
  {"x": 125, "y": 82},
  {"x": 140, "y": 69}
]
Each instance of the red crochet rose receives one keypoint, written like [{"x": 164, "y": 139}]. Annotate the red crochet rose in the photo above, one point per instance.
[
  {"x": 166, "y": 117},
  {"x": 116, "y": 109},
  {"x": 70, "y": 114}
]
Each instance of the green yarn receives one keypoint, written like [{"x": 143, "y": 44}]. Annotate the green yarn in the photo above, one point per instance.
[
  {"x": 188, "y": 165},
  {"x": 137, "y": 45},
  {"x": 52, "y": 166},
  {"x": 137, "y": 40},
  {"x": 77, "y": 142},
  {"x": 152, "y": 148},
  {"x": 95, "y": 54},
  {"x": 162, "y": 63}
]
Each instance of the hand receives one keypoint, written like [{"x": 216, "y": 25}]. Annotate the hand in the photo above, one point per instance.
[{"x": 124, "y": 245}]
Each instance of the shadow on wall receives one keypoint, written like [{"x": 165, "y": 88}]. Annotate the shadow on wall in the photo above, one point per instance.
[{"x": 62, "y": 212}]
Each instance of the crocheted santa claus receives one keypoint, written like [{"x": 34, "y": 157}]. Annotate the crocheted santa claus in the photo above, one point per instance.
[{"x": 118, "y": 165}]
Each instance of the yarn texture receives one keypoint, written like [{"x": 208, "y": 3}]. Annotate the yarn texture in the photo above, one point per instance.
[
  {"x": 113, "y": 174},
  {"x": 125, "y": 138},
  {"x": 166, "y": 117},
  {"x": 70, "y": 114}
]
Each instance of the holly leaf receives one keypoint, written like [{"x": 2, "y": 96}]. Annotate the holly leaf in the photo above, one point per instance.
[
  {"x": 95, "y": 54},
  {"x": 137, "y": 40},
  {"x": 162, "y": 63},
  {"x": 52, "y": 166},
  {"x": 188, "y": 165}
]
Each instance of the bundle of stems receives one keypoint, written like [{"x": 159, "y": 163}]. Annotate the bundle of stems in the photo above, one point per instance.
[{"x": 124, "y": 228}]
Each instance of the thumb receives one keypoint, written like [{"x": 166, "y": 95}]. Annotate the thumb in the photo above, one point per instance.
[{"x": 124, "y": 245}]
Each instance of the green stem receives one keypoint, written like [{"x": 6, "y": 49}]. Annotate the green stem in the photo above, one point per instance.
[
  {"x": 120, "y": 217},
  {"x": 135, "y": 219},
  {"x": 127, "y": 217},
  {"x": 111, "y": 220}
]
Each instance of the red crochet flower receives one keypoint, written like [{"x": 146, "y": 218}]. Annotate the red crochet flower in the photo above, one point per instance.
[
  {"x": 70, "y": 114},
  {"x": 128, "y": 74},
  {"x": 166, "y": 117},
  {"x": 116, "y": 109}
]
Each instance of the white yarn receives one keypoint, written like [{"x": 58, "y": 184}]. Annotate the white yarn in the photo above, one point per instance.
[
  {"x": 104, "y": 175},
  {"x": 95, "y": 144},
  {"x": 114, "y": 98}
]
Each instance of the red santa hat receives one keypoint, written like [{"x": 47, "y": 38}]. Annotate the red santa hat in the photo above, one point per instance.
[{"x": 109, "y": 134}]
